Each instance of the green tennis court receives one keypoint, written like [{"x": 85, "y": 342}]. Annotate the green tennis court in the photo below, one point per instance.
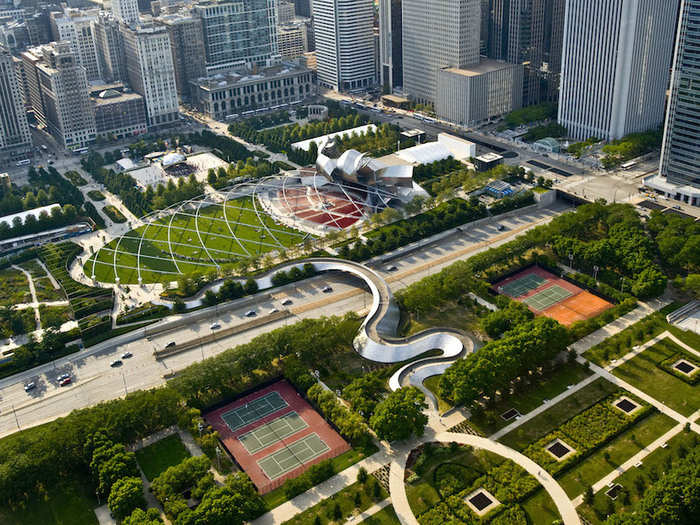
[
  {"x": 292, "y": 456},
  {"x": 272, "y": 432},
  {"x": 253, "y": 411},
  {"x": 523, "y": 285},
  {"x": 547, "y": 297}
]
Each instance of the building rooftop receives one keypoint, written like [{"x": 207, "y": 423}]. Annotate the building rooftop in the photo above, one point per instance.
[
  {"x": 239, "y": 77},
  {"x": 485, "y": 66},
  {"x": 489, "y": 157}
]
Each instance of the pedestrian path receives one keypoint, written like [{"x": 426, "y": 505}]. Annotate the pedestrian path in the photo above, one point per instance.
[
  {"x": 362, "y": 516},
  {"x": 630, "y": 463}
]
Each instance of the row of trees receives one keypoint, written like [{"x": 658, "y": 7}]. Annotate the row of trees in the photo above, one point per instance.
[
  {"x": 443, "y": 217},
  {"x": 383, "y": 141},
  {"x": 678, "y": 241},
  {"x": 499, "y": 362},
  {"x": 631, "y": 146},
  {"x": 239, "y": 172},
  {"x": 58, "y": 218}
]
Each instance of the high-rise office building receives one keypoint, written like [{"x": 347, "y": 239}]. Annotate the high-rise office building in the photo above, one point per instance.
[
  {"x": 75, "y": 26},
  {"x": 680, "y": 157},
  {"x": 62, "y": 103},
  {"x": 238, "y": 33},
  {"x": 126, "y": 11},
  {"x": 528, "y": 32},
  {"x": 293, "y": 38},
  {"x": 615, "y": 66},
  {"x": 187, "y": 46},
  {"x": 15, "y": 137},
  {"x": 390, "y": 44},
  {"x": 303, "y": 8},
  {"x": 344, "y": 35},
  {"x": 110, "y": 47},
  {"x": 285, "y": 12},
  {"x": 437, "y": 34},
  {"x": 151, "y": 72}
]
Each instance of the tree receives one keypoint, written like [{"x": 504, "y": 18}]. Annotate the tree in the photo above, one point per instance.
[
  {"x": 400, "y": 415},
  {"x": 141, "y": 517},
  {"x": 125, "y": 496}
]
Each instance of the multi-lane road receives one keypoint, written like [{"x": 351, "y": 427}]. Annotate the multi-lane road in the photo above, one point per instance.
[{"x": 94, "y": 380}]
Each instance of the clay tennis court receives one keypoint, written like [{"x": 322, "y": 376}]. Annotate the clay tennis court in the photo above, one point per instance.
[
  {"x": 546, "y": 294},
  {"x": 275, "y": 435}
]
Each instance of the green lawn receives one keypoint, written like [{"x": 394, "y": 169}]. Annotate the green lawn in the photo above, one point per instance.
[
  {"x": 386, "y": 516},
  {"x": 652, "y": 467},
  {"x": 14, "y": 288},
  {"x": 530, "y": 396},
  {"x": 351, "y": 500},
  {"x": 114, "y": 214},
  {"x": 159, "y": 456},
  {"x": 540, "y": 508},
  {"x": 66, "y": 503},
  {"x": 642, "y": 372},
  {"x": 170, "y": 248},
  {"x": 553, "y": 417},
  {"x": 96, "y": 195},
  {"x": 75, "y": 178},
  {"x": 576, "y": 480}
]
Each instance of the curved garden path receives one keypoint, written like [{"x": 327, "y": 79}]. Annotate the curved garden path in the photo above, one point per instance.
[{"x": 397, "y": 487}]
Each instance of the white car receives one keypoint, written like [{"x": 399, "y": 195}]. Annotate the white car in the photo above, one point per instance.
[
  {"x": 215, "y": 326},
  {"x": 287, "y": 302},
  {"x": 127, "y": 355},
  {"x": 326, "y": 289},
  {"x": 115, "y": 363},
  {"x": 29, "y": 386},
  {"x": 274, "y": 311},
  {"x": 251, "y": 313}
]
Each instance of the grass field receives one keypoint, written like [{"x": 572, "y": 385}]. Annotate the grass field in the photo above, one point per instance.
[
  {"x": 54, "y": 316},
  {"x": 530, "y": 396},
  {"x": 642, "y": 371},
  {"x": 114, "y": 214},
  {"x": 159, "y": 456},
  {"x": 34, "y": 269},
  {"x": 386, "y": 516},
  {"x": 66, "y": 503},
  {"x": 637, "y": 480},
  {"x": 198, "y": 242},
  {"x": 596, "y": 466},
  {"x": 550, "y": 419},
  {"x": 96, "y": 195},
  {"x": 350, "y": 501},
  {"x": 14, "y": 288}
]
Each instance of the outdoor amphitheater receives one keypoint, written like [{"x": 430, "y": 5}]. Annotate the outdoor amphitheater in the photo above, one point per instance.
[{"x": 240, "y": 223}]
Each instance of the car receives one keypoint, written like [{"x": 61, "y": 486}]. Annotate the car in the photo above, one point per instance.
[
  {"x": 127, "y": 355},
  {"x": 215, "y": 326},
  {"x": 116, "y": 362},
  {"x": 326, "y": 289},
  {"x": 29, "y": 386},
  {"x": 251, "y": 313},
  {"x": 287, "y": 302},
  {"x": 500, "y": 227},
  {"x": 391, "y": 268},
  {"x": 66, "y": 381},
  {"x": 170, "y": 344},
  {"x": 62, "y": 377},
  {"x": 274, "y": 311}
]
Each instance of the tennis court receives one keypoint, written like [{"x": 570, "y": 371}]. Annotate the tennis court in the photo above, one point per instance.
[
  {"x": 547, "y": 297},
  {"x": 292, "y": 456},
  {"x": 272, "y": 432},
  {"x": 523, "y": 285},
  {"x": 254, "y": 410}
]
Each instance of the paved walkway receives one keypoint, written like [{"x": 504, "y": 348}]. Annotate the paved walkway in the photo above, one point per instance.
[
  {"x": 630, "y": 463},
  {"x": 545, "y": 406},
  {"x": 362, "y": 516},
  {"x": 32, "y": 290},
  {"x": 324, "y": 490},
  {"x": 398, "y": 489}
]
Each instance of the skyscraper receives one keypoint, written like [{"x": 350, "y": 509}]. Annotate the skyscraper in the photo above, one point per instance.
[
  {"x": 615, "y": 66},
  {"x": 680, "y": 156},
  {"x": 187, "y": 46},
  {"x": 390, "y": 43},
  {"x": 437, "y": 34},
  {"x": 62, "y": 103},
  {"x": 149, "y": 65},
  {"x": 528, "y": 32},
  {"x": 344, "y": 36},
  {"x": 126, "y": 11},
  {"x": 15, "y": 137},
  {"x": 303, "y": 8},
  {"x": 238, "y": 33},
  {"x": 110, "y": 47},
  {"x": 75, "y": 26}
]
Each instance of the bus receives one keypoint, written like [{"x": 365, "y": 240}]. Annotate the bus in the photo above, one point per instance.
[
  {"x": 629, "y": 165},
  {"x": 24, "y": 162},
  {"x": 80, "y": 151}
]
